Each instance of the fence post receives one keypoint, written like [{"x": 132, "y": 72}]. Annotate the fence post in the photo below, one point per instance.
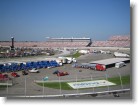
[
  {"x": 7, "y": 86},
  {"x": 121, "y": 80},
  {"x": 76, "y": 81},
  {"x": 43, "y": 87},
  {"x": 25, "y": 85},
  {"x": 92, "y": 80},
  {"x": 59, "y": 85},
  {"x": 107, "y": 80}
]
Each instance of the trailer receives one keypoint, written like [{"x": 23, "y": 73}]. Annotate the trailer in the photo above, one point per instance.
[
  {"x": 58, "y": 60},
  {"x": 88, "y": 66},
  {"x": 107, "y": 63},
  {"x": 118, "y": 54}
]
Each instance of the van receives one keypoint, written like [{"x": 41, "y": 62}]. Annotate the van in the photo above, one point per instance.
[{"x": 119, "y": 64}]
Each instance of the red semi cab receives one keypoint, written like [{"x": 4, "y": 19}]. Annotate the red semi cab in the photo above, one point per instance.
[{"x": 100, "y": 67}]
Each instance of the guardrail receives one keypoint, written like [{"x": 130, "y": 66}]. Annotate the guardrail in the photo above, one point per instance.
[{"x": 79, "y": 94}]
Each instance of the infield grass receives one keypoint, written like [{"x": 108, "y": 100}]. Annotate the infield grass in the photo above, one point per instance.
[{"x": 65, "y": 86}]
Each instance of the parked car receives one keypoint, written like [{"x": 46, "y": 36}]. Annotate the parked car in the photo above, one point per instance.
[
  {"x": 14, "y": 74},
  {"x": 24, "y": 73},
  {"x": 45, "y": 78},
  {"x": 4, "y": 77},
  {"x": 56, "y": 72},
  {"x": 34, "y": 70},
  {"x": 62, "y": 73}
]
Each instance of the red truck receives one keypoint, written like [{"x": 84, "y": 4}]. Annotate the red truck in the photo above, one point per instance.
[{"x": 100, "y": 67}]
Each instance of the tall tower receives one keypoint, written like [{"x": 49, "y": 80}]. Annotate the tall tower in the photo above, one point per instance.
[{"x": 12, "y": 47}]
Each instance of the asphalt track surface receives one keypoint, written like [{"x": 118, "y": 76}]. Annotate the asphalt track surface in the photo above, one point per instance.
[{"x": 25, "y": 86}]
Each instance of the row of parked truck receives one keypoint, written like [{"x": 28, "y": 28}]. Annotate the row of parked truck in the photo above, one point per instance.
[
  {"x": 16, "y": 66},
  {"x": 46, "y": 63},
  {"x": 98, "y": 67}
]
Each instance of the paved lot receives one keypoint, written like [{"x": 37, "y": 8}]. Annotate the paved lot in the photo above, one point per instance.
[{"x": 24, "y": 85}]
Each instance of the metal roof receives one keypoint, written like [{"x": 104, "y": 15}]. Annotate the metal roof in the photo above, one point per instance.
[
  {"x": 110, "y": 61},
  {"x": 88, "y": 64}
]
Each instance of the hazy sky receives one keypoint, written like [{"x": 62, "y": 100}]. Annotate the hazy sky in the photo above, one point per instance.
[{"x": 34, "y": 20}]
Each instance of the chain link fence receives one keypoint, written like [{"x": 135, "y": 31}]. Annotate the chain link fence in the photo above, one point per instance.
[{"x": 27, "y": 86}]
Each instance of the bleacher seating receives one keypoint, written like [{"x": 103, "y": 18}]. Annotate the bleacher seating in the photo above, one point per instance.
[
  {"x": 45, "y": 44},
  {"x": 119, "y": 38},
  {"x": 113, "y": 41}
]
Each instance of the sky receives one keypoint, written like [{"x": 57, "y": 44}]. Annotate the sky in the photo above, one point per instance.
[{"x": 34, "y": 20}]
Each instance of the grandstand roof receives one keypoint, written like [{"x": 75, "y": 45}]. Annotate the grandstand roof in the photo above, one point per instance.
[{"x": 71, "y": 38}]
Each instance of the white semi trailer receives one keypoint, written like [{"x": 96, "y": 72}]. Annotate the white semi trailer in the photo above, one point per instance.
[{"x": 118, "y": 54}]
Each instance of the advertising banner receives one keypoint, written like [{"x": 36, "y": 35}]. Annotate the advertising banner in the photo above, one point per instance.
[{"x": 89, "y": 84}]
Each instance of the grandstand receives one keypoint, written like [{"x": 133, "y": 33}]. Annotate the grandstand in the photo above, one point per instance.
[
  {"x": 69, "y": 42},
  {"x": 52, "y": 42},
  {"x": 119, "y": 38},
  {"x": 113, "y": 41}
]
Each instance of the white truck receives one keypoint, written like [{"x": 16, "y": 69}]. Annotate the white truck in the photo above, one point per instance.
[
  {"x": 63, "y": 59},
  {"x": 120, "y": 64},
  {"x": 84, "y": 51},
  {"x": 68, "y": 60},
  {"x": 105, "y": 52}
]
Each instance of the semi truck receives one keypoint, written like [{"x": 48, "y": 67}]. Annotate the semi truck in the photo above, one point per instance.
[{"x": 100, "y": 67}]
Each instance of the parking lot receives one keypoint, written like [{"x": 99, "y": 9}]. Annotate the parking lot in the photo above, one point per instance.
[{"x": 25, "y": 85}]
